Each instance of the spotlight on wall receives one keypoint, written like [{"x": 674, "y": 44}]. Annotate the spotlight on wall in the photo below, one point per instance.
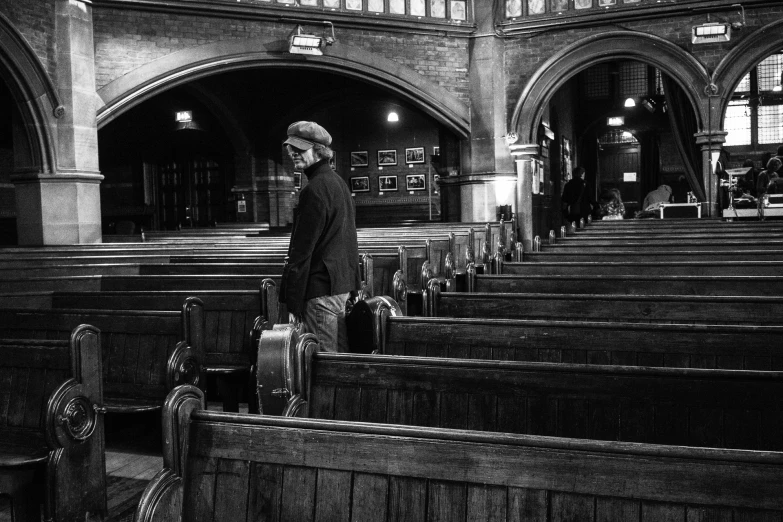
[
  {"x": 393, "y": 116},
  {"x": 301, "y": 43},
  {"x": 648, "y": 104},
  {"x": 629, "y": 102}
]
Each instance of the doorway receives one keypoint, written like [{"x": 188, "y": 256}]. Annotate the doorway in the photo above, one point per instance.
[
  {"x": 189, "y": 191},
  {"x": 618, "y": 167}
]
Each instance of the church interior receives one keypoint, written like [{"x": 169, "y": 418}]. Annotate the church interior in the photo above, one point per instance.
[{"x": 521, "y": 349}]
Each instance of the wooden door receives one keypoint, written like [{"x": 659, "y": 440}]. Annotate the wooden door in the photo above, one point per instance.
[
  {"x": 192, "y": 192},
  {"x": 618, "y": 167}
]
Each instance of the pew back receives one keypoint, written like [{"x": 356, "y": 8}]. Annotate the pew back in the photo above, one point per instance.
[
  {"x": 688, "y": 407},
  {"x": 145, "y": 353},
  {"x": 243, "y": 467},
  {"x": 52, "y": 436}
]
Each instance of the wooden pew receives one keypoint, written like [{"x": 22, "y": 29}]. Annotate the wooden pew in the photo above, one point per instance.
[
  {"x": 661, "y": 309},
  {"x": 587, "y": 342},
  {"x": 52, "y": 437},
  {"x": 673, "y": 256},
  {"x": 220, "y": 466},
  {"x": 687, "y": 407},
  {"x": 379, "y": 327},
  {"x": 145, "y": 352},
  {"x": 135, "y": 282},
  {"x": 715, "y": 285},
  {"x": 662, "y": 245},
  {"x": 233, "y": 321},
  {"x": 691, "y": 267}
]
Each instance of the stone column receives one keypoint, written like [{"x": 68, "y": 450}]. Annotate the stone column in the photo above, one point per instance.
[
  {"x": 64, "y": 206},
  {"x": 526, "y": 156},
  {"x": 485, "y": 159},
  {"x": 711, "y": 144}
]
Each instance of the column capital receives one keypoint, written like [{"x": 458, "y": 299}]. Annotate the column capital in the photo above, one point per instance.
[
  {"x": 710, "y": 139},
  {"x": 525, "y": 151}
]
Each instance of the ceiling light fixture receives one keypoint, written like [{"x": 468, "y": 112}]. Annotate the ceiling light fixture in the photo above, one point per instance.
[
  {"x": 393, "y": 116},
  {"x": 630, "y": 102}
]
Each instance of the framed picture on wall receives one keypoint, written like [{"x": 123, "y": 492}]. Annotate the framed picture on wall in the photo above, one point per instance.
[
  {"x": 360, "y": 184},
  {"x": 415, "y": 182},
  {"x": 387, "y": 158},
  {"x": 333, "y": 161},
  {"x": 414, "y": 155},
  {"x": 436, "y": 151},
  {"x": 297, "y": 180},
  {"x": 360, "y": 158},
  {"x": 387, "y": 183}
]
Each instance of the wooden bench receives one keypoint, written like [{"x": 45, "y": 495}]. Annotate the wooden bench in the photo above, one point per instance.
[
  {"x": 380, "y": 328},
  {"x": 662, "y": 245},
  {"x": 146, "y": 353},
  {"x": 675, "y": 256},
  {"x": 134, "y": 282},
  {"x": 683, "y": 309},
  {"x": 52, "y": 436},
  {"x": 588, "y": 342},
  {"x": 233, "y": 321},
  {"x": 691, "y": 407},
  {"x": 691, "y": 267},
  {"x": 220, "y": 466},
  {"x": 715, "y": 285}
]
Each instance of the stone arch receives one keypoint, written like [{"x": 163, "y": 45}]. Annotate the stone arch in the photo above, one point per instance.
[
  {"x": 735, "y": 64},
  {"x": 190, "y": 64},
  {"x": 683, "y": 68},
  {"x": 36, "y": 99}
]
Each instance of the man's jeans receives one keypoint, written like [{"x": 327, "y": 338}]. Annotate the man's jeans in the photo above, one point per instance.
[{"x": 325, "y": 317}]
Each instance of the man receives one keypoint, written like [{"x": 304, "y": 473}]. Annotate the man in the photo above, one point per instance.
[{"x": 322, "y": 268}]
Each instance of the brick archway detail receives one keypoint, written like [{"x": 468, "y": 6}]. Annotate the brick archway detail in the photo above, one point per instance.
[
  {"x": 190, "y": 64},
  {"x": 688, "y": 72}
]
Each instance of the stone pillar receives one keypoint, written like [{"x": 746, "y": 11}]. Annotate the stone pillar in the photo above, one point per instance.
[
  {"x": 486, "y": 164},
  {"x": 525, "y": 156},
  {"x": 64, "y": 206},
  {"x": 711, "y": 144}
]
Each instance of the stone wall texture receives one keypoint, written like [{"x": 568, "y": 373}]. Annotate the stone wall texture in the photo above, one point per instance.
[{"x": 127, "y": 39}]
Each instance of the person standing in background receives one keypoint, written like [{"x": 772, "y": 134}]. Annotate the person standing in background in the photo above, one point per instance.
[
  {"x": 576, "y": 202},
  {"x": 322, "y": 268}
]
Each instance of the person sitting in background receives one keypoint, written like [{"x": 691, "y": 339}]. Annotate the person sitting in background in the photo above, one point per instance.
[
  {"x": 663, "y": 194},
  {"x": 747, "y": 183},
  {"x": 775, "y": 184},
  {"x": 766, "y": 176},
  {"x": 610, "y": 205}
]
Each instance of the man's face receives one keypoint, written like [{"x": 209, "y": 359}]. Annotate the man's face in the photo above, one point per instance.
[{"x": 302, "y": 158}]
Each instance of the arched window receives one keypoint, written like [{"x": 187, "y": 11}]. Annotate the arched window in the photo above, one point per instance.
[{"x": 754, "y": 116}]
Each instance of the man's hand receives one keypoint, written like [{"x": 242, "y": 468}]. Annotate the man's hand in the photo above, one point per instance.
[{"x": 295, "y": 320}]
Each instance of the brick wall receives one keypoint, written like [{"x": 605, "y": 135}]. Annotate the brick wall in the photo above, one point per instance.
[
  {"x": 35, "y": 20},
  {"x": 125, "y": 40},
  {"x": 524, "y": 55}
]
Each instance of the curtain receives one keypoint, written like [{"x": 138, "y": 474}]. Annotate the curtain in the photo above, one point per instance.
[
  {"x": 682, "y": 120},
  {"x": 649, "y": 164}
]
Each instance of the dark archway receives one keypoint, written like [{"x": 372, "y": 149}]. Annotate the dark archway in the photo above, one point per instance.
[
  {"x": 683, "y": 68},
  {"x": 220, "y": 57}
]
